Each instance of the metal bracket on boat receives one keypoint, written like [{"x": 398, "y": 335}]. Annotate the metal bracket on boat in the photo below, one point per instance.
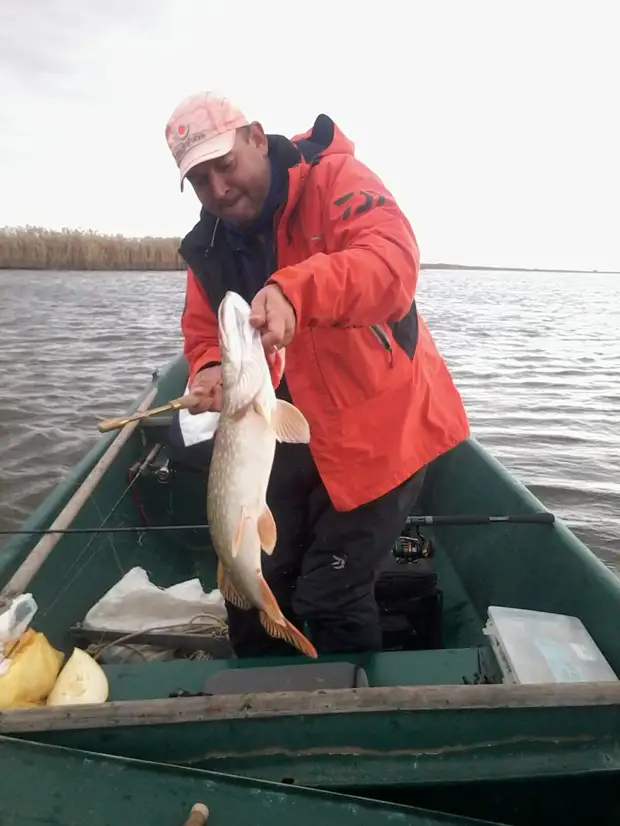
[
  {"x": 163, "y": 472},
  {"x": 182, "y": 692},
  {"x": 156, "y": 464}
]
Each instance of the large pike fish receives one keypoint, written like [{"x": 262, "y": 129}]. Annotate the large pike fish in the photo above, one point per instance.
[{"x": 251, "y": 421}]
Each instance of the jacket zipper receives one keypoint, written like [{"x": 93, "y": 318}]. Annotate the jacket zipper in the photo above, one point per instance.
[{"x": 381, "y": 335}]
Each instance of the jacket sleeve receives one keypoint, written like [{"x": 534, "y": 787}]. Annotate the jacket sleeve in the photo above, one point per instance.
[
  {"x": 370, "y": 273},
  {"x": 199, "y": 328}
]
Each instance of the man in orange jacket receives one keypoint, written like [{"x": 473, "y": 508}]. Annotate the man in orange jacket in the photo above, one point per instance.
[{"x": 316, "y": 243}]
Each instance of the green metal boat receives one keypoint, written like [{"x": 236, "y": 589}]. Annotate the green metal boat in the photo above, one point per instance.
[
  {"x": 75, "y": 788},
  {"x": 441, "y": 728}
]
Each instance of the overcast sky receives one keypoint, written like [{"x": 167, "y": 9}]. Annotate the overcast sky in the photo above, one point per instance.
[{"x": 496, "y": 124}]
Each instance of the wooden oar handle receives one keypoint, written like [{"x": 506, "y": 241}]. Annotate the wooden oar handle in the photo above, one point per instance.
[
  {"x": 198, "y": 815},
  {"x": 176, "y": 404}
]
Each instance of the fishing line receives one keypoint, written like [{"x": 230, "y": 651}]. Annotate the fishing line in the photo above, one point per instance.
[
  {"x": 542, "y": 518},
  {"x": 69, "y": 580}
]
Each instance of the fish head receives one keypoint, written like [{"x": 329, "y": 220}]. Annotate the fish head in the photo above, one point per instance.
[{"x": 244, "y": 365}]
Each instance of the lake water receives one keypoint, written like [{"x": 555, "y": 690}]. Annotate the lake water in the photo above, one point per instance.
[{"x": 536, "y": 357}]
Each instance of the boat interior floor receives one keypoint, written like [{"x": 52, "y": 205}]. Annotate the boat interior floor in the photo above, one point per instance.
[{"x": 170, "y": 493}]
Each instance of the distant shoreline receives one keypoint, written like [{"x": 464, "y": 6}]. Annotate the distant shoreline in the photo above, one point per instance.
[
  {"x": 423, "y": 266},
  {"x": 514, "y": 269},
  {"x": 40, "y": 249}
]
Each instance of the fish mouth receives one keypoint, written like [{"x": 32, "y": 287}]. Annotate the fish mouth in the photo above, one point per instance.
[
  {"x": 243, "y": 358},
  {"x": 233, "y": 321}
]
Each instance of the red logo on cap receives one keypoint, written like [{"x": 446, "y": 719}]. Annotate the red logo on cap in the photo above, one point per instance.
[{"x": 182, "y": 130}]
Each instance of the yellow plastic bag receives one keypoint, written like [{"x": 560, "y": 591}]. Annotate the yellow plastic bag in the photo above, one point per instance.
[{"x": 34, "y": 667}]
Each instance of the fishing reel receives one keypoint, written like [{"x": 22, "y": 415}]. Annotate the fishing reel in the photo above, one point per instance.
[{"x": 411, "y": 548}]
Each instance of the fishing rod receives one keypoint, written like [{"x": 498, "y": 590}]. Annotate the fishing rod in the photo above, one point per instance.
[
  {"x": 541, "y": 518},
  {"x": 537, "y": 518}
]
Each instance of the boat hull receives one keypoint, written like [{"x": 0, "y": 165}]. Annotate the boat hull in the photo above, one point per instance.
[
  {"x": 461, "y": 752},
  {"x": 76, "y": 788}
]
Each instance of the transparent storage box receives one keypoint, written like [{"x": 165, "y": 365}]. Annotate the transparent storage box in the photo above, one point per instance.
[{"x": 536, "y": 647}]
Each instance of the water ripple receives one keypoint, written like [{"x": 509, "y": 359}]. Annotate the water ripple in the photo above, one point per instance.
[{"x": 535, "y": 355}]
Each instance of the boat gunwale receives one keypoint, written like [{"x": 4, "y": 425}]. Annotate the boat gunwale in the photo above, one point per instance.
[{"x": 179, "y": 710}]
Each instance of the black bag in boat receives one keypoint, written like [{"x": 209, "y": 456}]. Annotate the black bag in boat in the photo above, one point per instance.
[{"x": 410, "y": 605}]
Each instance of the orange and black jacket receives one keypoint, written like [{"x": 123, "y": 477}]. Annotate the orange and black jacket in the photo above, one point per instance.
[{"x": 363, "y": 366}]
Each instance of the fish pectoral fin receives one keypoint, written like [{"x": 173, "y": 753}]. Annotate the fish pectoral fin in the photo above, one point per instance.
[
  {"x": 228, "y": 590},
  {"x": 267, "y": 531},
  {"x": 289, "y": 424},
  {"x": 249, "y": 383},
  {"x": 276, "y": 624}
]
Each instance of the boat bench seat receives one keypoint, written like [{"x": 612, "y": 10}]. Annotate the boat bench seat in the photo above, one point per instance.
[
  {"x": 154, "y": 680},
  {"x": 311, "y": 677}
]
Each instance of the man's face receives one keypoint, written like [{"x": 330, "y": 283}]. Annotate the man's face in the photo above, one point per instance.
[{"x": 235, "y": 186}]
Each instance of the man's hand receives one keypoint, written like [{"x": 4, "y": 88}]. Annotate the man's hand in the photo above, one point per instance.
[
  {"x": 274, "y": 316},
  {"x": 207, "y": 388}
]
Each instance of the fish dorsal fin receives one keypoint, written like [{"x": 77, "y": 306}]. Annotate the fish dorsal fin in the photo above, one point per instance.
[
  {"x": 267, "y": 531},
  {"x": 289, "y": 424}
]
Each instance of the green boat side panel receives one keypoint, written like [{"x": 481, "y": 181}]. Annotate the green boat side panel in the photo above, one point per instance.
[
  {"x": 536, "y": 567},
  {"x": 591, "y": 799},
  {"x": 391, "y": 747},
  {"x": 75, "y": 789}
]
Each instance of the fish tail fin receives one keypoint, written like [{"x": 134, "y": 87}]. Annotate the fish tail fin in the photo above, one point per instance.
[{"x": 277, "y": 625}]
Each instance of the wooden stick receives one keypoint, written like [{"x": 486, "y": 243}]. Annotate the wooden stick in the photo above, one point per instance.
[
  {"x": 37, "y": 556},
  {"x": 130, "y": 713},
  {"x": 176, "y": 404},
  {"x": 198, "y": 815}
]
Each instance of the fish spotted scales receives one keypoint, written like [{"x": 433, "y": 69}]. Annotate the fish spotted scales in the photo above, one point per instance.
[{"x": 251, "y": 421}]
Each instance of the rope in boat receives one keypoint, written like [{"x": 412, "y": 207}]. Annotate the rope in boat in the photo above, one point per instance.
[{"x": 216, "y": 629}]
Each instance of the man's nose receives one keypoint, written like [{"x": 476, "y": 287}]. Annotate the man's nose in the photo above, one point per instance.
[{"x": 218, "y": 186}]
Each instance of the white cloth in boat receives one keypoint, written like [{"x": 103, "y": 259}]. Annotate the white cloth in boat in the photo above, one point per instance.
[{"x": 198, "y": 427}]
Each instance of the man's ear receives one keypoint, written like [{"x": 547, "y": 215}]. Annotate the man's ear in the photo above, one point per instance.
[{"x": 258, "y": 137}]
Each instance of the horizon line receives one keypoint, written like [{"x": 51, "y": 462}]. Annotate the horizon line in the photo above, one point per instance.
[{"x": 30, "y": 229}]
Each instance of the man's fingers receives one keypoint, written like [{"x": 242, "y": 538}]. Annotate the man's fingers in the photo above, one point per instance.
[
  {"x": 258, "y": 310},
  {"x": 216, "y": 399},
  {"x": 268, "y": 313},
  {"x": 288, "y": 335},
  {"x": 206, "y": 397},
  {"x": 274, "y": 334},
  {"x": 200, "y": 406}
]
